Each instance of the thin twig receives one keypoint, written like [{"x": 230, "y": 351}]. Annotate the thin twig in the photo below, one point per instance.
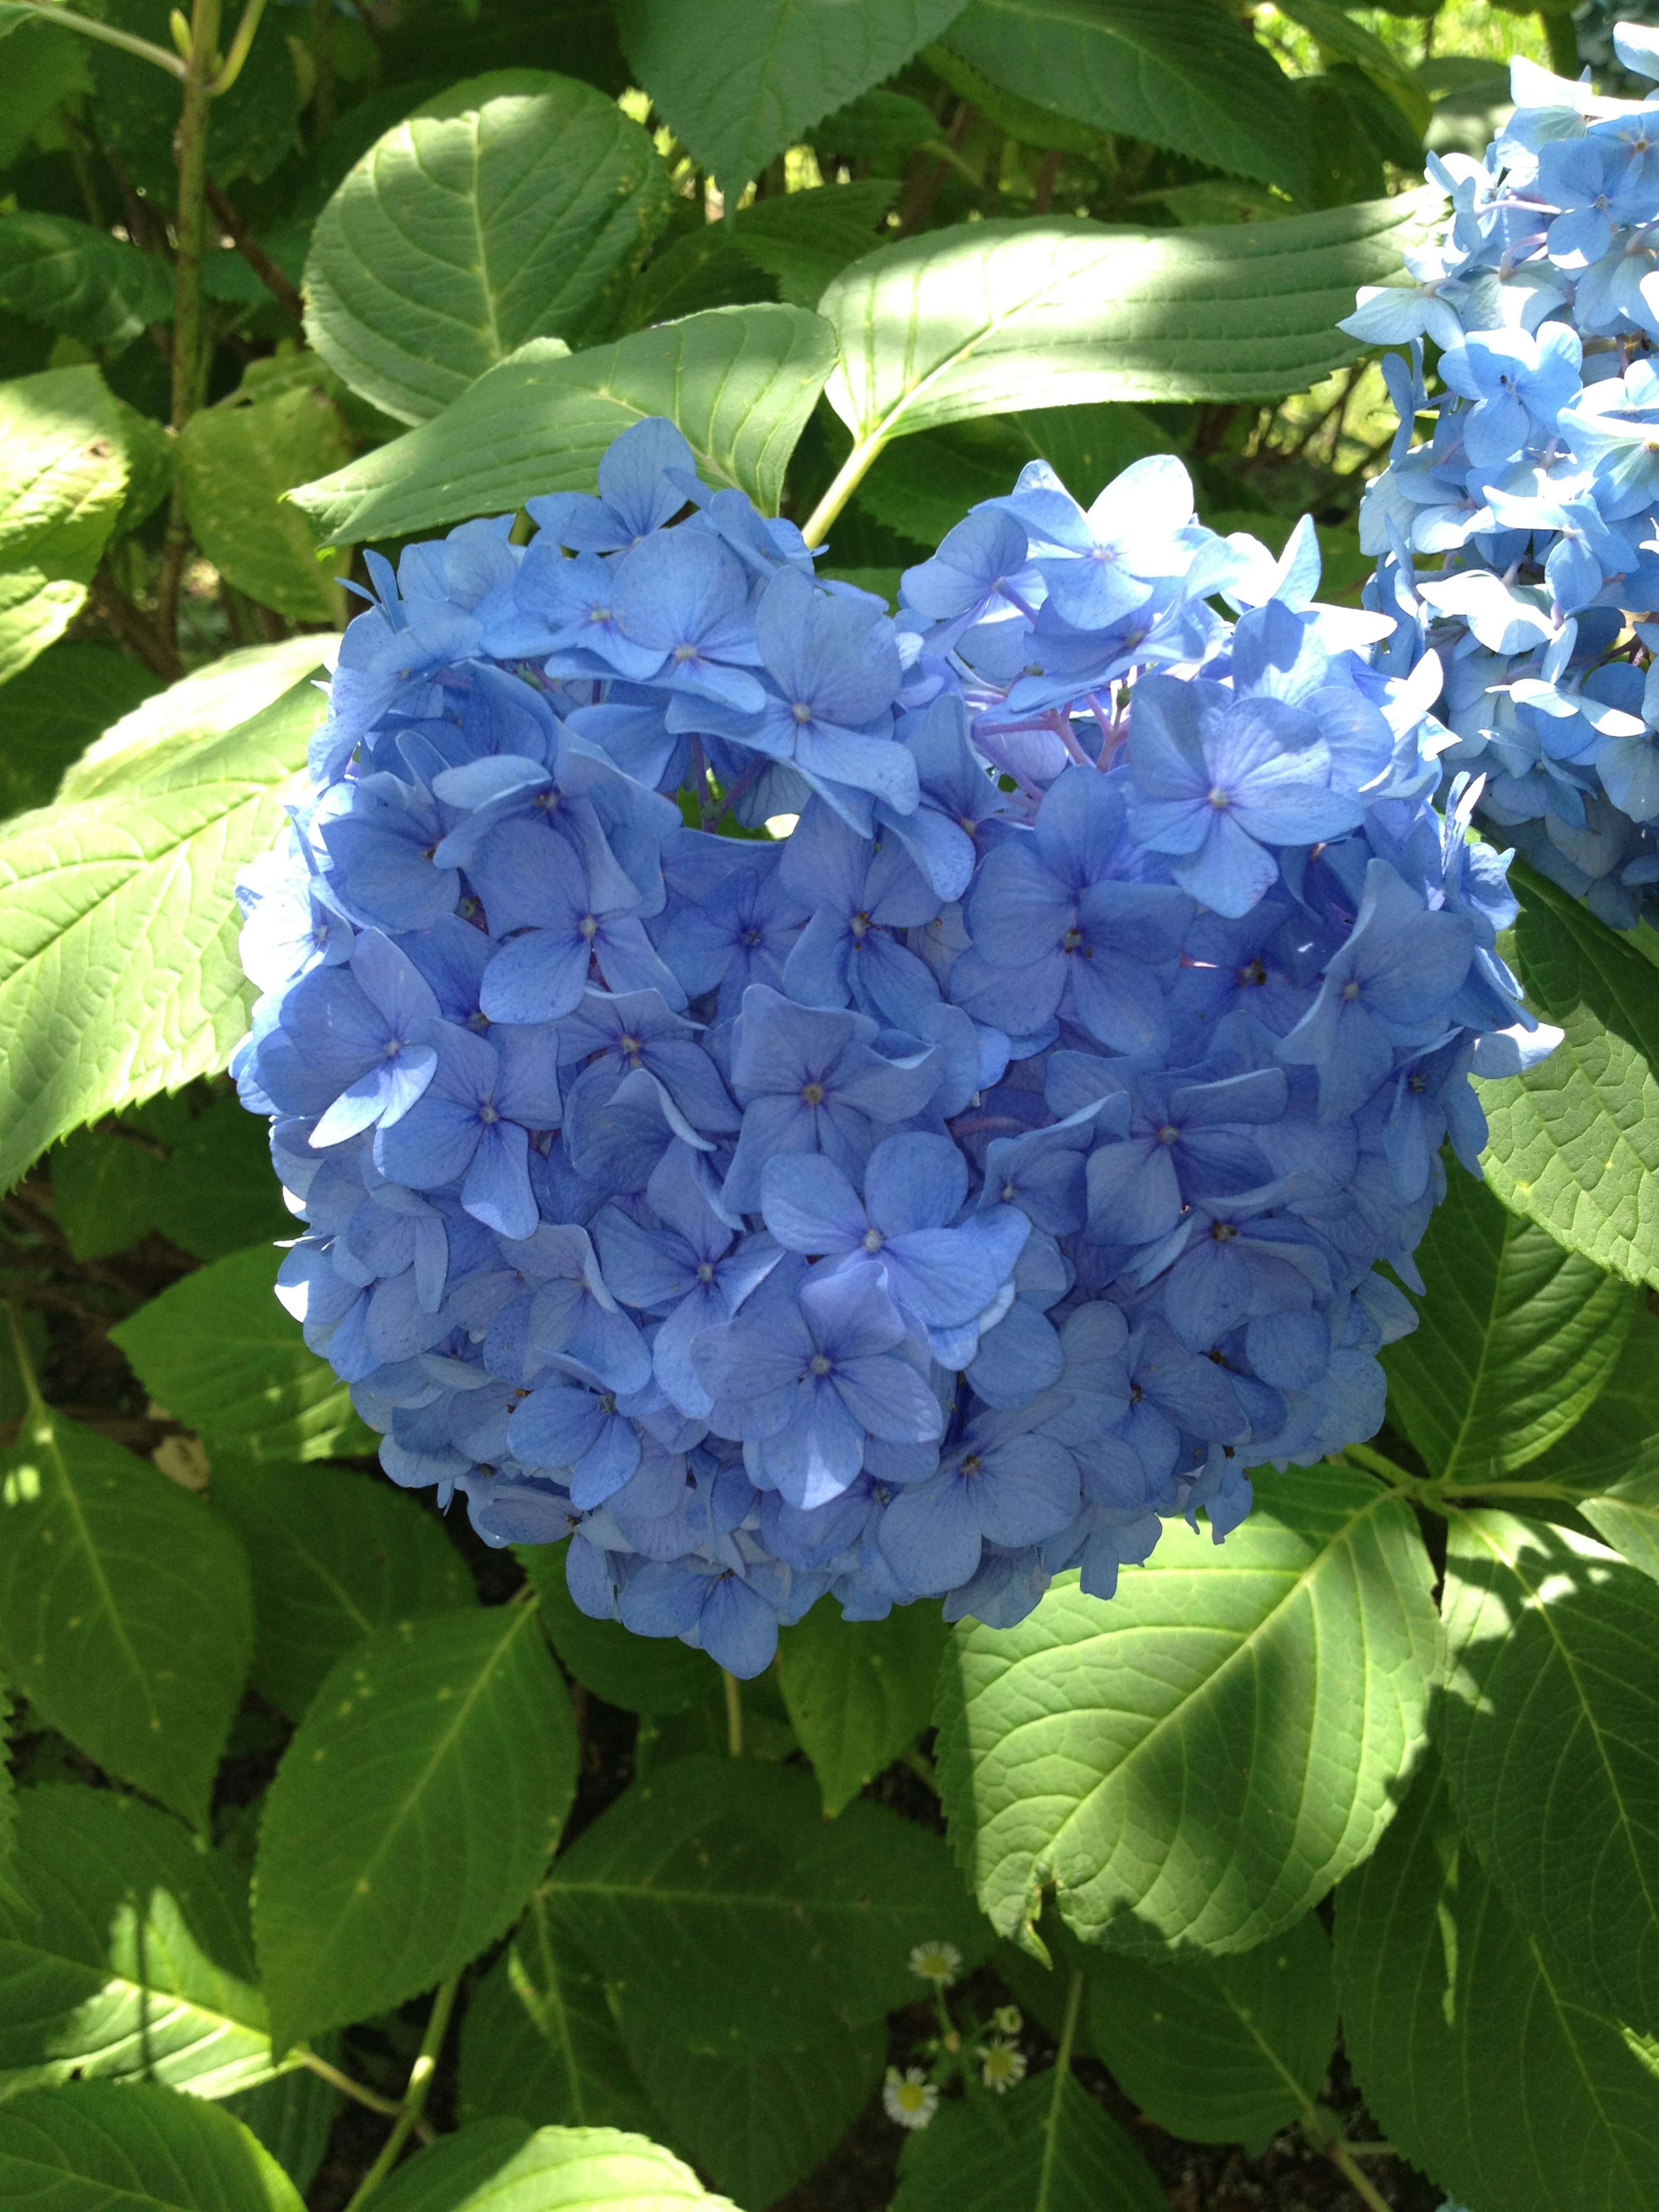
[
  {"x": 134, "y": 629},
  {"x": 415, "y": 2096},
  {"x": 347, "y": 2087},
  {"x": 254, "y": 253}
]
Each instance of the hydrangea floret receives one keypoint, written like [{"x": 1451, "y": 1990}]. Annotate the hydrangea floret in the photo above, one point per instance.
[
  {"x": 930, "y": 1200},
  {"x": 1519, "y": 546}
]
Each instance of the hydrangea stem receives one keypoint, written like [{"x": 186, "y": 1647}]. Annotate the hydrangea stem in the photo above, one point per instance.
[
  {"x": 733, "y": 1714},
  {"x": 845, "y": 481},
  {"x": 1062, "y": 2075},
  {"x": 415, "y": 2096},
  {"x": 200, "y": 70},
  {"x": 145, "y": 49}
]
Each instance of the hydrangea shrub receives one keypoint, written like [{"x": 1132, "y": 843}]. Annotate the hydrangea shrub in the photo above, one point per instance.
[{"x": 928, "y": 1199}]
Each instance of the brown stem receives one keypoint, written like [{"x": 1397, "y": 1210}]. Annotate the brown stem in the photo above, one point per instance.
[
  {"x": 927, "y": 176},
  {"x": 254, "y": 253},
  {"x": 322, "y": 57},
  {"x": 1045, "y": 186},
  {"x": 144, "y": 228},
  {"x": 134, "y": 629}
]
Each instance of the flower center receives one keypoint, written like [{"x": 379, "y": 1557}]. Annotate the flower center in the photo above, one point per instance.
[
  {"x": 812, "y": 1093},
  {"x": 872, "y": 1240},
  {"x": 801, "y": 711},
  {"x": 819, "y": 1365}
]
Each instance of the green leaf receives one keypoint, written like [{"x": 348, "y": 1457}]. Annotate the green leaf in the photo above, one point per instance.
[
  {"x": 293, "y": 2117},
  {"x": 722, "y": 1876},
  {"x": 514, "y": 206},
  {"x": 190, "y": 717},
  {"x": 1045, "y": 2147},
  {"x": 923, "y": 486},
  {"x": 1574, "y": 1143},
  {"x": 127, "y": 1956},
  {"x": 539, "y": 2042},
  {"x": 251, "y": 128},
  {"x": 1477, "y": 2060},
  {"x": 63, "y": 475},
  {"x": 119, "y": 970},
  {"x": 1222, "y": 2050},
  {"x": 103, "y": 1627},
  {"x": 1099, "y": 1746},
  {"x": 876, "y": 126},
  {"x": 97, "y": 2147},
  {"x": 739, "y": 84},
  {"x": 235, "y": 464},
  {"x": 1516, "y": 1338},
  {"x": 998, "y": 315},
  {"x": 1550, "y": 1744},
  {"x": 43, "y": 69},
  {"x": 411, "y": 1816},
  {"x": 738, "y": 382},
  {"x": 636, "y": 1674},
  {"x": 1161, "y": 70},
  {"x": 806, "y": 239},
  {"x": 555, "y": 2170},
  {"x": 758, "y": 2123},
  {"x": 1017, "y": 118},
  {"x": 222, "y": 1355},
  {"x": 8, "y": 1803},
  {"x": 1627, "y": 1518},
  {"x": 858, "y": 1693},
  {"x": 1617, "y": 1438},
  {"x": 79, "y": 281},
  {"x": 52, "y": 710},
  {"x": 203, "y": 1178},
  {"x": 335, "y": 1557}
]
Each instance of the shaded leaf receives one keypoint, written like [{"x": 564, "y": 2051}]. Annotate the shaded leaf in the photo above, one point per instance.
[
  {"x": 1102, "y": 1747},
  {"x": 293, "y": 2117},
  {"x": 93, "y": 2146},
  {"x": 1222, "y": 2050},
  {"x": 1550, "y": 1744},
  {"x": 858, "y": 1693},
  {"x": 222, "y": 1355},
  {"x": 512, "y": 207},
  {"x": 1161, "y": 70},
  {"x": 1627, "y": 1518},
  {"x": 411, "y": 1815},
  {"x": 52, "y": 710},
  {"x": 103, "y": 1562},
  {"x": 638, "y": 1674},
  {"x": 1045, "y": 2147},
  {"x": 43, "y": 68},
  {"x": 738, "y": 382},
  {"x": 998, "y": 315},
  {"x": 235, "y": 464},
  {"x": 202, "y": 1179},
  {"x": 79, "y": 281},
  {"x": 118, "y": 972},
  {"x": 1517, "y": 1337},
  {"x": 127, "y": 1956},
  {"x": 722, "y": 1875},
  {"x": 1477, "y": 2061},
  {"x": 738, "y": 85}
]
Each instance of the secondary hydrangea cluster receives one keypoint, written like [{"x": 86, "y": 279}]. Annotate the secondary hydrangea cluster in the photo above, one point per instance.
[
  {"x": 1520, "y": 545},
  {"x": 924, "y": 1202}
]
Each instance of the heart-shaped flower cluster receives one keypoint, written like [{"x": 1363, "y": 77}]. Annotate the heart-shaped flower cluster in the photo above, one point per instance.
[
  {"x": 929, "y": 1194},
  {"x": 1520, "y": 546}
]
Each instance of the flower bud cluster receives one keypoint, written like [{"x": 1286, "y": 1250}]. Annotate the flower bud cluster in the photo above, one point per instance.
[
  {"x": 923, "y": 1201},
  {"x": 1520, "y": 545}
]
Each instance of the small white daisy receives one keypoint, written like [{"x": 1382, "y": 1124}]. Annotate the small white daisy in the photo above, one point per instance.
[
  {"x": 910, "y": 2097},
  {"x": 937, "y": 1963},
  {"x": 1001, "y": 2064}
]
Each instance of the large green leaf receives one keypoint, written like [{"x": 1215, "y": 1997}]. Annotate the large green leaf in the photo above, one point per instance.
[
  {"x": 118, "y": 974},
  {"x": 1196, "y": 1763},
  {"x": 993, "y": 316},
  {"x": 79, "y": 281},
  {"x": 1517, "y": 1337},
  {"x": 222, "y": 1355},
  {"x": 636, "y": 1674},
  {"x": 539, "y": 2041},
  {"x": 858, "y": 1693},
  {"x": 94, "y": 2146},
  {"x": 190, "y": 717},
  {"x": 1627, "y": 1518},
  {"x": 738, "y": 83},
  {"x": 1161, "y": 70},
  {"x": 1575, "y": 1141},
  {"x": 1618, "y": 1436},
  {"x": 127, "y": 1956},
  {"x": 53, "y": 709},
  {"x": 235, "y": 464},
  {"x": 293, "y": 2116},
  {"x": 491, "y": 2168},
  {"x": 105, "y": 1568},
  {"x": 1222, "y": 2050},
  {"x": 335, "y": 1557},
  {"x": 203, "y": 1178},
  {"x": 722, "y": 1876},
  {"x": 758, "y": 2123},
  {"x": 411, "y": 1815},
  {"x": 63, "y": 477},
  {"x": 1045, "y": 2147},
  {"x": 514, "y": 206},
  {"x": 1550, "y": 1740},
  {"x": 739, "y": 382},
  {"x": 1479, "y": 2063}
]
